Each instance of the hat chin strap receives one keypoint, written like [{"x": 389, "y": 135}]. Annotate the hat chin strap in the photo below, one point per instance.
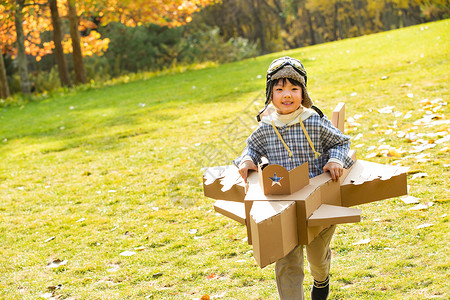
[
  {"x": 258, "y": 116},
  {"x": 268, "y": 93}
]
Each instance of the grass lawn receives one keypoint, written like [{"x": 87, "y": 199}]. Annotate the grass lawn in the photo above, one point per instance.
[{"x": 101, "y": 194}]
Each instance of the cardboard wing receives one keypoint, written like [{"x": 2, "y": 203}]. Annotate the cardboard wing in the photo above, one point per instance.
[
  {"x": 368, "y": 182},
  {"x": 231, "y": 209},
  {"x": 327, "y": 215},
  {"x": 223, "y": 183}
]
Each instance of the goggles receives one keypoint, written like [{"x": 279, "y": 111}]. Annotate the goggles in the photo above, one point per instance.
[{"x": 279, "y": 63}]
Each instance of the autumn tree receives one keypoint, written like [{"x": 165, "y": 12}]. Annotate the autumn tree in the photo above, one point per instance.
[
  {"x": 296, "y": 23},
  {"x": 128, "y": 12},
  {"x": 57, "y": 40},
  {"x": 25, "y": 86},
  {"x": 6, "y": 24},
  {"x": 78, "y": 64},
  {"x": 4, "y": 87}
]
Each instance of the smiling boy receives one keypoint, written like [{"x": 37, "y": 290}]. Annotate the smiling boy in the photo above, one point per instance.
[{"x": 290, "y": 136}]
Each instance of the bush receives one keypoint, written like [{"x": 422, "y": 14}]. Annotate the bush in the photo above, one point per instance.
[
  {"x": 140, "y": 48},
  {"x": 206, "y": 44}
]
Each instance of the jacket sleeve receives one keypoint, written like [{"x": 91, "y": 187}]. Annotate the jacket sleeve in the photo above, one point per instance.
[
  {"x": 335, "y": 143},
  {"x": 254, "y": 149}
]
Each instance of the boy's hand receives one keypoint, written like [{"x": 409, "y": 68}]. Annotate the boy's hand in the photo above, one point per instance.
[
  {"x": 335, "y": 170},
  {"x": 244, "y": 167}
]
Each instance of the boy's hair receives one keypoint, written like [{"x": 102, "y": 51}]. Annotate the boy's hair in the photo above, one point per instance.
[{"x": 283, "y": 82}]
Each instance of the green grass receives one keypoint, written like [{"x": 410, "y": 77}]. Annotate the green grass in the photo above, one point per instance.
[{"x": 118, "y": 168}]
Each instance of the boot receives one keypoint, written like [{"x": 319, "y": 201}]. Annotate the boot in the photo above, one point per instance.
[{"x": 320, "y": 289}]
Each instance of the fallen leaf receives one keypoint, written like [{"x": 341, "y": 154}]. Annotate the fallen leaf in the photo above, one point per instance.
[
  {"x": 371, "y": 155},
  {"x": 424, "y": 225},
  {"x": 205, "y": 297},
  {"x": 57, "y": 263},
  {"x": 392, "y": 152},
  {"x": 81, "y": 220},
  {"x": 54, "y": 287},
  {"x": 443, "y": 140},
  {"x": 442, "y": 200},
  {"x": 422, "y": 206},
  {"x": 50, "y": 239},
  {"x": 420, "y": 148},
  {"x": 127, "y": 253},
  {"x": 357, "y": 137},
  {"x": 386, "y": 110},
  {"x": 193, "y": 231},
  {"x": 141, "y": 248},
  {"x": 409, "y": 199},
  {"x": 407, "y": 116},
  {"x": 362, "y": 242},
  {"x": 221, "y": 295},
  {"x": 212, "y": 276},
  {"x": 401, "y": 134},
  {"x": 419, "y": 175}
]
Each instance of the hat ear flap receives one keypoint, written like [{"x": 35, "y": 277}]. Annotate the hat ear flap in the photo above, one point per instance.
[{"x": 306, "y": 101}]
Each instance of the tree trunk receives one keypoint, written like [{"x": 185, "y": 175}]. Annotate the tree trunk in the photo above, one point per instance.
[
  {"x": 335, "y": 21},
  {"x": 4, "y": 88},
  {"x": 57, "y": 39},
  {"x": 310, "y": 27},
  {"x": 359, "y": 22},
  {"x": 25, "y": 86},
  {"x": 78, "y": 64},
  {"x": 259, "y": 27}
]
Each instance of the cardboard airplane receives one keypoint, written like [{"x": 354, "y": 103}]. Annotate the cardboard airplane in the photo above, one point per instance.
[{"x": 282, "y": 209}]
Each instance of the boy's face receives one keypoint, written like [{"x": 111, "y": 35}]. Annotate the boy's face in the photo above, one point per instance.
[{"x": 286, "y": 97}]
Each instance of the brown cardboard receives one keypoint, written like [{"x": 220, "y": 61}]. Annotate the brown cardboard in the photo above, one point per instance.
[
  {"x": 338, "y": 116},
  {"x": 321, "y": 189},
  {"x": 223, "y": 183},
  {"x": 368, "y": 182},
  {"x": 274, "y": 230},
  {"x": 276, "y": 180},
  {"x": 327, "y": 215},
  {"x": 231, "y": 209},
  {"x": 352, "y": 154},
  {"x": 276, "y": 222}
]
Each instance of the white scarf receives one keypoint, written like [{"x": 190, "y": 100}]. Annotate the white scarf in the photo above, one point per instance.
[{"x": 302, "y": 113}]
